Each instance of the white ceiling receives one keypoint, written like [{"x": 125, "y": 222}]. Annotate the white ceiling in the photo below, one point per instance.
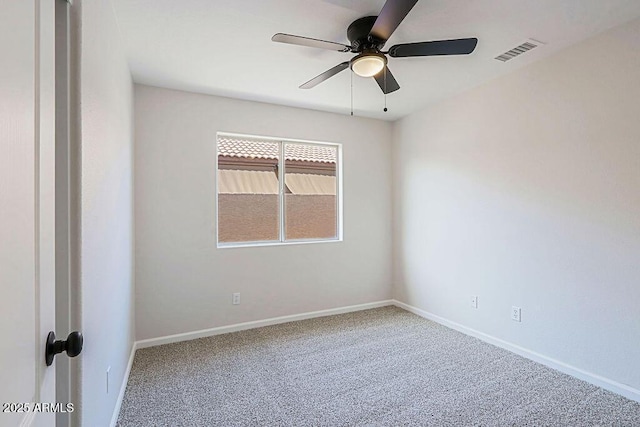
[{"x": 224, "y": 47}]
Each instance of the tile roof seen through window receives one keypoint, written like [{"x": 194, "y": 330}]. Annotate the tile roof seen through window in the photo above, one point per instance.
[{"x": 261, "y": 149}]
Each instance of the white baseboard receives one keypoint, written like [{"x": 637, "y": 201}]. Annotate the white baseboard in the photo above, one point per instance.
[
  {"x": 597, "y": 380},
  {"x": 123, "y": 386},
  {"x": 257, "y": 324}
]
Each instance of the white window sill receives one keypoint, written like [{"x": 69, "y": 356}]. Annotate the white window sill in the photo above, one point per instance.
[{"x": 287, "y": 243}]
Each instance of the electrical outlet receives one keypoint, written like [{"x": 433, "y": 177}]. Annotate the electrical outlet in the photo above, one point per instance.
[
  {"x": 108, "y": 371},
  {"x": 474, "y": 301},
  {"x": 516, "y": 314},
  {"x": 236, "y": 298}
]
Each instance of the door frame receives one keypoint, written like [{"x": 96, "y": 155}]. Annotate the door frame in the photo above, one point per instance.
[{"x": 67, "y": 204}]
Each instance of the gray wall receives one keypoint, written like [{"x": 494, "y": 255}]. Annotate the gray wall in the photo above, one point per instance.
[
  {"x": 183, "y": 283},
  {"x": 526, "y": 192},
  {"x": 106, "y": 99}
]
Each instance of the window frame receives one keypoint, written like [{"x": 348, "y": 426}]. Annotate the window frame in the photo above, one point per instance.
[{"x": 281, "y": 195}]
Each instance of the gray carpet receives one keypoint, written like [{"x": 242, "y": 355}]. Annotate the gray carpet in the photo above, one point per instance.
[{"x": 380, "y": 367}]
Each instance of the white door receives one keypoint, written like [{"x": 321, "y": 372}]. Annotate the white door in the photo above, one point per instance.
[{"x": 27, "y": 262}]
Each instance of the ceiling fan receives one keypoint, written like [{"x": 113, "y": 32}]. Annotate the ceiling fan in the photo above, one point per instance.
[{"x": 368, "y": 36}]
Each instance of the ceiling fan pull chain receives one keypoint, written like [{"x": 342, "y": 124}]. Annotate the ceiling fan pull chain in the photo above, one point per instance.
[
  {"x": 385, "y": 89},
  {"x": 351, "y": 93}
]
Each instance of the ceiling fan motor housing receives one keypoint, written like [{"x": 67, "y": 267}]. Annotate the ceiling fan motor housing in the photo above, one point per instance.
[{"x": 358, "y": 35}]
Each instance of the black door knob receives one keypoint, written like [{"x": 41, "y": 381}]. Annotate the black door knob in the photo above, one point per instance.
[{"x": 72, "y": 345}]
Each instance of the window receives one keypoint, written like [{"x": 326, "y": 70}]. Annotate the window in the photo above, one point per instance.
[{"x": 272, "y": 191}]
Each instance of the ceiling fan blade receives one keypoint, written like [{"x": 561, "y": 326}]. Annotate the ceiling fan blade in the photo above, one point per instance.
[
  {"x": 441, "y": 47},
  {"x": 391, "y": 15},
  {"x": 324, "y": 76},
  {"x": 388, "y": 86},
  {"x": 309, "y": 42}
]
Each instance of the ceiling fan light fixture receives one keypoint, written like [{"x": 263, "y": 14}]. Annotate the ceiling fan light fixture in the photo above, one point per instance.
[{"x": 368, "y": 64}]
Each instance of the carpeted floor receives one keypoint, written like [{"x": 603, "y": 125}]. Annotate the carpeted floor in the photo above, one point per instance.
[{"x": 380, "y": 367}]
